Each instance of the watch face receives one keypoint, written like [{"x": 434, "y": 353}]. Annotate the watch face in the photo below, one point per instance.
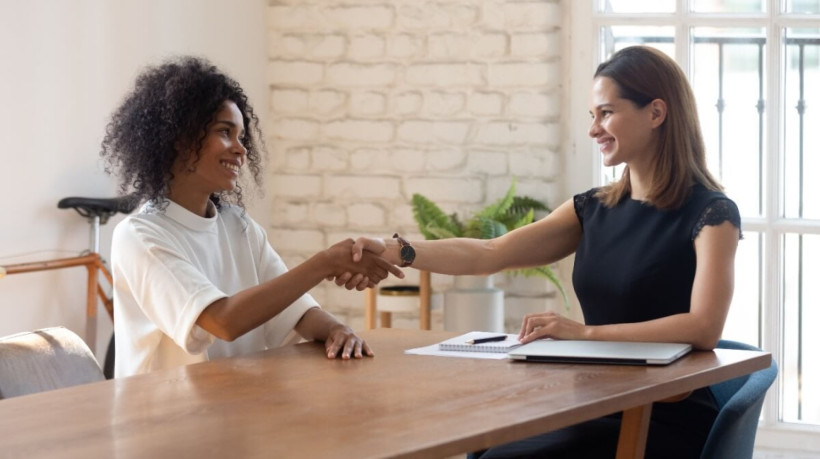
[{"x": 408, "y": 254}]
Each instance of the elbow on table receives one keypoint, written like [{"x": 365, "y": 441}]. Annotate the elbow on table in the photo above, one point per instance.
[
  {"x": 707, "y": 341},
  {"x": 704, "y": 332}
]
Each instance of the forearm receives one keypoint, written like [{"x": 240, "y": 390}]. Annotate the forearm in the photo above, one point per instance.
[
  {"x": 232, "y": 317},
  {"x": 678, "y": 328},
  {"x": 451, "y": 256},
  {"x": 545, "y": 241}
]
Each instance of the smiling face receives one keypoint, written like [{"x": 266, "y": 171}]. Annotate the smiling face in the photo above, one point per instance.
[
  {"x": 625, "y": 132},
  {"x": 215, "y": 167}
]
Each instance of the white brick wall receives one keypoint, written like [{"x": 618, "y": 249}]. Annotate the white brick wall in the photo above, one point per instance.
[{"x": 374, "y": 100}]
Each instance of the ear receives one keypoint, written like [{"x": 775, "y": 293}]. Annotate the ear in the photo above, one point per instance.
[
  {"x": 657, "y": 112},
  {"x": 180, "y": 147},
  {"x": 184, "y": 159}
]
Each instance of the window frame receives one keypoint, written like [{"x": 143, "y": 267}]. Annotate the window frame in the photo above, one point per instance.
[{"x": 583, "y": 168}]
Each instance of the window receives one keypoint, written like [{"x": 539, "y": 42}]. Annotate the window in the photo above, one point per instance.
[{"x": 755, "y": 68}]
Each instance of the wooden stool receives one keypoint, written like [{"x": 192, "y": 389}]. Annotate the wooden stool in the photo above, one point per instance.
[{"x": 386, "y": 316}]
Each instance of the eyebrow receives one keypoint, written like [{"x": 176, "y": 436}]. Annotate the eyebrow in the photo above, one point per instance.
[
  {"x": 601, "y": 107},
  {"x": 229, "y": 123}
]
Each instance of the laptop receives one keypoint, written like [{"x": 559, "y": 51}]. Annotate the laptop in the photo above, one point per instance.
[{"x": 610, "y": 352}]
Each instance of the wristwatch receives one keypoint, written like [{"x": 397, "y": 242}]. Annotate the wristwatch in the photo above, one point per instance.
[{"x": 406, "y": 251}]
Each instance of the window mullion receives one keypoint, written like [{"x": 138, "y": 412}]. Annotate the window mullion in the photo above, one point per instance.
[
  {"x": 772, "y": 208},
  {"x": 683, "y": 34}
]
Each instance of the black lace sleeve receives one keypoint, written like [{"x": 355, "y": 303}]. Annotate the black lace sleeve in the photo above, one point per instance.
[
  {"x": 579, "y": 201},
  {"x": 717, "y": 212}
]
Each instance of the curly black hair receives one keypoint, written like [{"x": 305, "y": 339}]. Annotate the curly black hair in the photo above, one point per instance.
[{"x": 168, "y": 111}]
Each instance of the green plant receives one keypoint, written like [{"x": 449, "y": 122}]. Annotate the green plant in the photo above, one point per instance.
[{"x": 506, "y": 214}]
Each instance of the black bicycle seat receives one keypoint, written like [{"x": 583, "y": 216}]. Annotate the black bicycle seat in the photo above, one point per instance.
[{"x": 99, "y": 207}]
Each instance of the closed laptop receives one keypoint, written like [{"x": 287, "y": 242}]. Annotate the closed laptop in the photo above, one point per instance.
[{"x": 609, "y": 352}]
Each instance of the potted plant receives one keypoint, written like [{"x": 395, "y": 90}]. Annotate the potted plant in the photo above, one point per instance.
[{"x": 498, "y": 218}]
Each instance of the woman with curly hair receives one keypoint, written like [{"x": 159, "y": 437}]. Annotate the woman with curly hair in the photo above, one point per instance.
[{"x": 194, "y": 276}]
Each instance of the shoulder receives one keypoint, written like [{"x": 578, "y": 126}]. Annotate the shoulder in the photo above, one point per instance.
[
  {"x": 237, "y": 216},
  {"x": 581, "y": 200},
  {"x": 233, "y": 212},
  {"x": 146, "y": 219},
  {"x": 143, "y": 231},
  {"x": 711, "y": 209},
  {"x": 236, "y": 221}
]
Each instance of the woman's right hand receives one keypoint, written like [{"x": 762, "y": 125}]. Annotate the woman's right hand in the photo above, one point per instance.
[
  {"x": 550, "y": 325},
  {"x": 363, "y": 245},
  {"x": 371, "y": 244},
  {"x": 366, "y": 270}
]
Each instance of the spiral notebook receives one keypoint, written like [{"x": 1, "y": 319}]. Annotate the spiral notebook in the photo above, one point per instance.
[{"x": 462, "y": 343}]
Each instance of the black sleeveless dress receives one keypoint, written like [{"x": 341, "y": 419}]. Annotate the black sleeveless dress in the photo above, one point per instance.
[{"x": 635, "y": 263}]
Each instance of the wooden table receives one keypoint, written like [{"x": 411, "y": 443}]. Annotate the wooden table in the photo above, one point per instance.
[{"x": 293, "y": 402}]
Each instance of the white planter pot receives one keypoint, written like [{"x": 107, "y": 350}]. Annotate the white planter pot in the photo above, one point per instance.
[
  {"x": 533, "y": 287},
  {"x": 474, "y": 304}
]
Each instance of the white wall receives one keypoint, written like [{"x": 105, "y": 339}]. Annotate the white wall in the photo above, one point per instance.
[
  {"x": 374, "y": 101},
  {"x": 369, "y": 102},
  {"x": 65, "y": 67}
]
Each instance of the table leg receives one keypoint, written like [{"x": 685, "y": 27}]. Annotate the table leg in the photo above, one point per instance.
[
  {"x": 424, "y": 300},
  {"x": 634, "y": 431},
  {"x": 386, "y": 319},
  {"x": 370, "y": 308}
]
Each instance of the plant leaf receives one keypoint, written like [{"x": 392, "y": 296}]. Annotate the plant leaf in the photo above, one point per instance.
[
  {"x": 522, "y": 204},
  {"x": 432, "y": 221},
  {"x": 489, "y": 228},
  {"x": 547, "y": 272},
  {"x": 525, "y": 219},
  {"x": 500, "y": 207},
  {"x": 544, "y": 271},
  {"x": 437, "y": 232}
]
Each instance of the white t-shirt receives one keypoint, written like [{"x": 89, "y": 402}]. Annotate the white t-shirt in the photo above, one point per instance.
[{"x": 168, "y": 266}]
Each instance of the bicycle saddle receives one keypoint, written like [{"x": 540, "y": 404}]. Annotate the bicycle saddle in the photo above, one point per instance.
[{"x": 99, "y": 207}]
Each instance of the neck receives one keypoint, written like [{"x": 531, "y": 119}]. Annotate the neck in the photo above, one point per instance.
[
  {"x": 194, "y": 202},
  {"x": 639, "y": 183}
]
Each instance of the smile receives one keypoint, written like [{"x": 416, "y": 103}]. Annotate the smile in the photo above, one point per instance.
[{"x": 230, "y": 166}]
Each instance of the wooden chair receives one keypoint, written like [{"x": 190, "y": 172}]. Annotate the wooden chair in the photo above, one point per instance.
[
  {"x": 47, "y": 359},
  {"x": 424, "y": 292}
]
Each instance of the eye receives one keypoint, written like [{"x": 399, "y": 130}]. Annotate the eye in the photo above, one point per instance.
[{"x": 606, "y": 113}]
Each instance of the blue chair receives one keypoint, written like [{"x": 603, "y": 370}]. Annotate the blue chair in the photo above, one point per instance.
[{"x": 740, "y": 401}]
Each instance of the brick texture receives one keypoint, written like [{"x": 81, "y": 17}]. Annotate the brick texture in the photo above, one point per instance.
[{"x": 374, "y": 100}]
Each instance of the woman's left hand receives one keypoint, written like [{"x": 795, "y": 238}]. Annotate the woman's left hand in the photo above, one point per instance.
[
  {"x": 550, "y": 325},
  {"x": 343, "y": 342}
]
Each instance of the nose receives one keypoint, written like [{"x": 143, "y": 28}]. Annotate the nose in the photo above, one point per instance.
[
  {"x": 594, "y": 128},
  {"x": 239, "y": 148}
]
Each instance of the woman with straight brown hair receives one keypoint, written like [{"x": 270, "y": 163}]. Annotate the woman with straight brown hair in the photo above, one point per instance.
[{"x": 654, "y": 251}]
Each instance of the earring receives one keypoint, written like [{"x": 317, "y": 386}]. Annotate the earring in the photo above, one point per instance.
[{"x": 192, "y": 168}]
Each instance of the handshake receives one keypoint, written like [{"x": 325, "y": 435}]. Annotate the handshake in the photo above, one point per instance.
[{"x": 365, "y": 262}]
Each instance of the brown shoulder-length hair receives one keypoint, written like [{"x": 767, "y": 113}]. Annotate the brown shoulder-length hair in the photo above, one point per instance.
[{"x": 643, "y": 74}]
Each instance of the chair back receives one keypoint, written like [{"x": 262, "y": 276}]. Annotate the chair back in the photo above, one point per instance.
[
  {"x": 51, "y": 358},
  {"x": 740, "y": 401}
]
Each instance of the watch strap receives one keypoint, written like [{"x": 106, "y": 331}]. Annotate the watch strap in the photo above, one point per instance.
[{"x": 402, "y": 244}]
